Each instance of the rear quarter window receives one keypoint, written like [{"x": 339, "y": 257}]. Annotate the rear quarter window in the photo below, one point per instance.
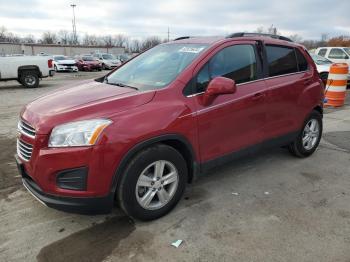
[
  {"x": 281, "y": 60},
  {"x": 302, "y": 62}
]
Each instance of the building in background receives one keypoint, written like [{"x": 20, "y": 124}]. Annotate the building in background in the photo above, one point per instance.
[{"x": 54, "y": 49}]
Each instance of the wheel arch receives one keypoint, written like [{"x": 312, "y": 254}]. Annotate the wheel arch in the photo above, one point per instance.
[
  {"x": 21, "y": 69},
  {"x": 318, "y": 109},
  {"x": 179, "y": 142}
]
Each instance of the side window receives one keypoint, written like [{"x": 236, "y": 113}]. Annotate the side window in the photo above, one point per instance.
[
  {"x": 281, "y": 60},
  {"x": 236, "y": 62},
  {"x": 203, "y": 79},
  {"x": 302, "y": 62},
  {"x": 337, "y": 53},
  {"x": 322, "y": 52}
]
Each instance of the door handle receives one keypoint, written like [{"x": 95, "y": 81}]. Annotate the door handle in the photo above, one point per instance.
[{"x": 258, "y": 96}]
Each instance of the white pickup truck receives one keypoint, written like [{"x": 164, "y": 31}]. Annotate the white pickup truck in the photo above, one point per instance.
[{"x": 27, "y": 70}]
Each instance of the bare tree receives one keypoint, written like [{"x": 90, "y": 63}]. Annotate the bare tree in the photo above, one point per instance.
[
  {"x": 296, "y": 38},
  {"x": 93, "y": 40},
  {"x": 120, "y": 40},
  {"x": 272, "y": 30},
  {"x": 3, "y": 33},
  {"x": 108, "y": 40},
  {"x": 150, "y": 42},
  {"x": 260, "y": 30},
  {"x": 49, "y": 38},
  {"x": 134, "y": 46},
  {"x": 29, "y": 39},
  {"x": 63, "y": 37}
]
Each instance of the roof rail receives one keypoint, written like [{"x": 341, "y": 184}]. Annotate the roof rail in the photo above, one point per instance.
[
  {"x": 182, "y": 37},
  {"x": 241, "y": 34}
]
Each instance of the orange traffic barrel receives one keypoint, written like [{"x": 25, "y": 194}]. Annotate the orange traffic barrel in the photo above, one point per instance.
[{"x": 336, "y": 85}]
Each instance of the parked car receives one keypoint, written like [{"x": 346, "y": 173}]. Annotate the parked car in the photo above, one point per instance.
[
  {"x": 108, "y": 61},
  {"x": 123, "y": 57},
  {"x": 323, "y": 66},
  {"x": 88, "y": 63},
  {"x": 27, "y": 70},
  {"x": 138, "y": 135},
  {"x": 335, "y": 55},
  {"x": 63, "y": 63}
]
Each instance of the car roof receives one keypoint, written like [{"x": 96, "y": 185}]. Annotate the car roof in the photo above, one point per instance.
[{"x": 220, "y": 39}]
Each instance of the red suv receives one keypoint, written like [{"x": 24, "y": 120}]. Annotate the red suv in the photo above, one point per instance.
[{"x": 138, "y": 135}]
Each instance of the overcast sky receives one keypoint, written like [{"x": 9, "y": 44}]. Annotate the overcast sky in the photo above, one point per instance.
[{"x": 138, "y": 19}]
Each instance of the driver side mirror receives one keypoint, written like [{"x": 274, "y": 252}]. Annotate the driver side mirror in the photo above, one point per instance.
[{"x": 218, "y": 86}]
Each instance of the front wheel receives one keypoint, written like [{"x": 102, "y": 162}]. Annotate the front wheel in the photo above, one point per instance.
[
  {"x": 153, "y": 182},
  {"x": 309, "y": 137}
]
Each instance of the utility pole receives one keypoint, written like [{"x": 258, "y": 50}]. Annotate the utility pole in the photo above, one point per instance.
[
  {"x": 168, "y": 34},
  {"x": 74, "y": 26}
]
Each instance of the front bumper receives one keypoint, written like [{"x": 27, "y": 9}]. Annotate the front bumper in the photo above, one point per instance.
[
  {"x": 71, "y": 68},
  {"x": 81, "y": 205},
  {"x": 92, "y": 67}
]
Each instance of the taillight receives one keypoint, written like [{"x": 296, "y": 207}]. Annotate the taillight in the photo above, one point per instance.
[{"x": 49, "y": 63}]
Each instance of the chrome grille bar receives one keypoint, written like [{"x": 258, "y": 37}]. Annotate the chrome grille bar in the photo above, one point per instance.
[
  {"x": 26, "y": 129},
  {"x": 24, "y": 150}
]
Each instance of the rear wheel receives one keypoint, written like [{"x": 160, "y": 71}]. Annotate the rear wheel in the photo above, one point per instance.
[
  {"x": 29, "y": 79},
  {"x": 308, "y": 139},
  {"x": 153, "y": 182}
]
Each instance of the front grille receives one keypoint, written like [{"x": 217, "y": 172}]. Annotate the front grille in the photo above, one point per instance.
[
  {"x": 26, "y": 129},
  {"x": 68, "y": 64},
  {"x": 24, "y": 150}
]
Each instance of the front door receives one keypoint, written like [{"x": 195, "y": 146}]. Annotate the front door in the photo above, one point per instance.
[{"x": 232, "y": 121}]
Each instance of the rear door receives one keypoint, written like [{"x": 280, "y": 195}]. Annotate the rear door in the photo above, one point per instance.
[
  {"x": 232, "y": 121},
  {"x": 286, "y": 81}
]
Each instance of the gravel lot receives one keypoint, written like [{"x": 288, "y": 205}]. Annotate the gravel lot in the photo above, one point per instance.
[{"x": 266, "y": 207}]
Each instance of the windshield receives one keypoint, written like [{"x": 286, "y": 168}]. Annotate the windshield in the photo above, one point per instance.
[
  {"x": 156, "y": 67},
  {"x": 347, "y": 49},
  {"x": 88, "y": 58},
  {"x": 108, "y": 57},
  {"x": 320, "y": 60},
  {"x": 57, "y": 58}
]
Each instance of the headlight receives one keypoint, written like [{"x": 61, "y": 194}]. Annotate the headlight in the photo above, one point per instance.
[{"x": 80, "y": 133}]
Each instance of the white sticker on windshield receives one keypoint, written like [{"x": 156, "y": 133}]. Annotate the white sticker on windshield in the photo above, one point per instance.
[{"x": 187, "y": 49}]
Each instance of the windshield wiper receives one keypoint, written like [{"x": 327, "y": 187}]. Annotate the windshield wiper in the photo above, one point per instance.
[{"x": 120, "y": 84}]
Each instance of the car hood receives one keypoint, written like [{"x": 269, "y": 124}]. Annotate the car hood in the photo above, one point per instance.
[
  {"x": 66, "y": 62},
  {"x": 87, "y": 100}
]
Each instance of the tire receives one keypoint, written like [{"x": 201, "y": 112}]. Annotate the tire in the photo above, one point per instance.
[
  {"x": 302, "y": 149},
  {"x": 131, "y": 195},
  {"x": 103, "y": 67},
  {"x": 55, "y": 67},
  {"x": 29, "y": 79}
]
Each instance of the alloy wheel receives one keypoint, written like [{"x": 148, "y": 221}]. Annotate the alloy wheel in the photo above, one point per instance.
[
  {"x": 311, "y": 134},
  {"x": 157, "y": 184}
]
